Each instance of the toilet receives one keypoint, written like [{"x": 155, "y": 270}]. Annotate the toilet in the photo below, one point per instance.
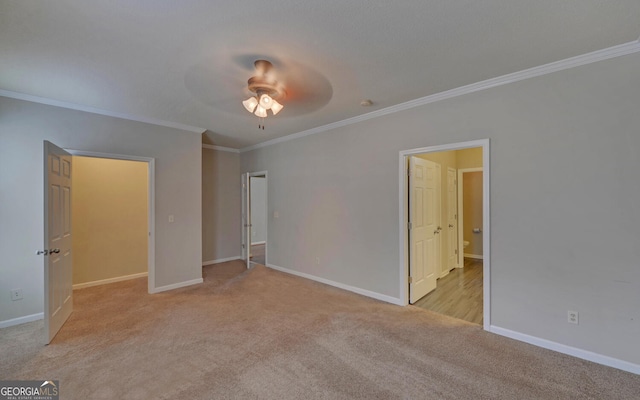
[{"x": 465, "y": 243}]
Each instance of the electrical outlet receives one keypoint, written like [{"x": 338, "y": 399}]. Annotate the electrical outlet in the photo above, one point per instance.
[
  {"x": 16, "y": 294},
  {"x": 572, "y": 317},
  {"x": 171, "y": 219}
]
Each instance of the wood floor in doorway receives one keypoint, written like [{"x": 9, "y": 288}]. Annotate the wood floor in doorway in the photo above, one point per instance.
[
  {"x": 257, "y": 254},
  {"x": 459, "y": 294}
]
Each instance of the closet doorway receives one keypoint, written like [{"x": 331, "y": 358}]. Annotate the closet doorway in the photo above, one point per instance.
[{"x": 112, "y": 218}]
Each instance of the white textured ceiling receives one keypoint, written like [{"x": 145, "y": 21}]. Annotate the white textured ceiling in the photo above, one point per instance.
[{"x": 187, "y": 61}]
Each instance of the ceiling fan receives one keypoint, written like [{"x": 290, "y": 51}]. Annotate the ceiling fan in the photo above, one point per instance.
[
  {"x": 299, "y": 88},
  {"x": 267, "y": 89}
]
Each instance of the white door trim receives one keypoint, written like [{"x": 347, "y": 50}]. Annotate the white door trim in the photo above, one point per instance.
[
  {"x": 264, "y": 174},
  {"x": 151, "y": 206},
  {"x": 460, "y": 179},
  {"x": 403, "y": 214},
  {"x": 245, "y": 218}
]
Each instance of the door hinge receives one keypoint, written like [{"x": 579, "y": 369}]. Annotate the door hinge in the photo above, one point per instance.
[
  {"x": 409, "y": 225},
  {"x": 408, "y": 171},
  {"x": 410, "y": 280},
  {"x": 456, "y": 251}
]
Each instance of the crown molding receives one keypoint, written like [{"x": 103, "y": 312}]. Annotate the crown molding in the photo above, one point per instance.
[
  {"x": 584, "y": 59},
  {"x": 220, "y": 148},
  {"x": 93, "y": 110}
]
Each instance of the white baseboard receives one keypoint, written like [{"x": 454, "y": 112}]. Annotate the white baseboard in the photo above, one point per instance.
[
  {"x": 572, "y": 351},
  {"x": 110, "y": 280},
  {"x": 257, "y": 243},
  {"x": 176, "y": 285},
  {"x": 474, "y": 256},
  {"x": 364, "y": 292},
  {"x": 21, "y": 320},
  {"x": 221, "y": 260}
]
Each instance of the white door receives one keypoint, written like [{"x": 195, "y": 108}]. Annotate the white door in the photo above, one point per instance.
[
  {"x": 452, "y": 219},
  {"x": 423, "y": 228},
  {"x": 58, "y": 273},
  {"x": 246, "y": 220},
  {"x": 440, "y": 265}
]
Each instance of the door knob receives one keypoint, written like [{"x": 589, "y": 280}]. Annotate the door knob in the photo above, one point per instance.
[
  {"x": 439, "y": 228},
  {"x": 450, "y": 226}
]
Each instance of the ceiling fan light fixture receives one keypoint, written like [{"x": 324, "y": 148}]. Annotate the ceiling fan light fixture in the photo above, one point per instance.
[
  {"x": 266, "y": 101},
  {"x": 261, "y": 112},
  {"x": 267, "y": 89},
  {"x": 276, "y": 107},
  {"x": 250, "y": 104}
]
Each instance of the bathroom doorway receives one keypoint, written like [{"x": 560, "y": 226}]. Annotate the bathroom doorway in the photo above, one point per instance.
[{"x": 439, "y": 244}]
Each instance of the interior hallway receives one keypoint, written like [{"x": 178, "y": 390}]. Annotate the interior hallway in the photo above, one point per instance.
[{"x": 459, "y": 294}]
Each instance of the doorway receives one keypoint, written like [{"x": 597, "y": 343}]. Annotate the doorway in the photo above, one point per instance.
[
  {"x": 254, "y": 218},
  {"x": 258, "y": 206},
  {"x": 438, "y": 252},
  {"x": 58, "y": 227},
  {"x": 138, "y": 250}
]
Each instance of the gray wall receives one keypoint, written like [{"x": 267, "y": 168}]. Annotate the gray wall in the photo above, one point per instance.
[
  {"x": 565, "y": 214},
  {"x": 258, "y": 209},
  {"x": 24, "y": 126},
  {"x": 221, "y": 205}
]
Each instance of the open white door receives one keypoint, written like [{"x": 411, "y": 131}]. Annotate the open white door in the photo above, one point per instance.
[
  {"x": 423, "y": 222},
  {"x": 58, "y": 273},
  {"x": 246, "y": 220}
]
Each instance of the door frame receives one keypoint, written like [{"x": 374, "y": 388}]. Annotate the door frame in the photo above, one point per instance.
[
  {"x": 245, "y": 219},
  {"x": 403, "y": 217},
  {"x": 264, "y": 174},
  {"x": 457, "y": 218},
  {"x": 151, "y": 206},
  {"x": 460, "y": 179}
]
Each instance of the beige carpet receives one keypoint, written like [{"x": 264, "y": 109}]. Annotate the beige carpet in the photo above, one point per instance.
[{"x": 263, "y": 334}]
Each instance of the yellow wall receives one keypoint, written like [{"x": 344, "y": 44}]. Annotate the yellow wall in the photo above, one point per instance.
[
  {"x": 470, "y": 158},
  {"x": 472, "y": 192},
  {"x": 109, "y": 218},
  {"x": 472, "y": 209}
]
